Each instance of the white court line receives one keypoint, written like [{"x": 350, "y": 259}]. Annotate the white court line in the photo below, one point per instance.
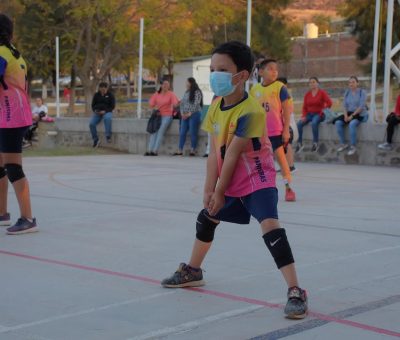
[
  {"x": 83, "y": 312},
  {"x": 188, "y": 326}
]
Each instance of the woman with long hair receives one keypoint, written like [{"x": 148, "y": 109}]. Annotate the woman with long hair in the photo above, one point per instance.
[
  {"x": 15, "y": 118},
  {"x": 190, "y": 107},
  {"x": 164, "y": 101}
]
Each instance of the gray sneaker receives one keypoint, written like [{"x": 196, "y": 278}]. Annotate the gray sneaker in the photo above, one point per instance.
[
  {"x": 5, "y": 220},
  {"x": 385, "y": 146},
  {"x": 342, "y": 147},
  {"x": 296, "y": 306},
  {"x": 299, "y": 148},
  {"x": 352, "y": 150},
  {"x": 23, "y": 226},
  {"x": 314, "y": 147},
  {"x": 185, "y": 276}
]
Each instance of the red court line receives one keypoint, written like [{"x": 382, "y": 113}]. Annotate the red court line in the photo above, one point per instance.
[{"x": 205, "y": 291}]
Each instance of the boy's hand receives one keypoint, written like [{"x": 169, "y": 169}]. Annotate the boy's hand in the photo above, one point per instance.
[
  {"x": 206, "y": 199},
  {"x": 217, "y": 201},
  {"x": 285, "y": 137}
]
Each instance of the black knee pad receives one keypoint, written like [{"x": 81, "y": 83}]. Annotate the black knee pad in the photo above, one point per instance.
[
  {"x": 14, "y": 172},
  {"x": 2, "y": 172},
  {"x": 205, "y": 228},
  {"x": 278, "y": 245}
]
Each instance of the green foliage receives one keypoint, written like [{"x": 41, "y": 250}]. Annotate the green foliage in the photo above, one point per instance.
[{"x": 361, "y": 15}]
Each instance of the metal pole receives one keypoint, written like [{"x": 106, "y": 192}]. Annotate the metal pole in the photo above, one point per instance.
[
  {"x": 372, "y": 112},
  {"x": 248, "y": 32},
  {"x": 388, "y": 49},
  {"x": 57, "y": 78},
  {"x": 140, "y": 75}
]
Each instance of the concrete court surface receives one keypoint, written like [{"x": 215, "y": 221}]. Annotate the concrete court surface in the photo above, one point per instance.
[{"x": 111, "y": 227}]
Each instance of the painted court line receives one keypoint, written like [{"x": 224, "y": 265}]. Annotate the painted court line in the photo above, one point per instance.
[
  {"x": 190, "y": 325},
  {"x": 314, "y": 323},
  {"x": 227, "y": 296},
  {"x": 83, "y": 312}
]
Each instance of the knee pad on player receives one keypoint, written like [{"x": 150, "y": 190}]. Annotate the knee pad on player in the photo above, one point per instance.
[
  {"x": 278, "y": 245},
  {"x": 205, "y": 228},
  {"x": 2, "y": 172},
  {"x": 14, "y": 172}
]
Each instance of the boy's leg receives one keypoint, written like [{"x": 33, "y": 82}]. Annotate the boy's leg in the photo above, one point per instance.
[
  {"x": 191, "y": 275},
  {"x": 274, "y": 234},
  {"x": 263, "y": 205},
  {"x": 201, "y": 248},
  {"x": 283, "y": 164},
  {"x": 289, "y": 156}
]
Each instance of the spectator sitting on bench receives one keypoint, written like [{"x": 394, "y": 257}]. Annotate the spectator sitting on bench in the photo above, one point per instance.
[{"x": 39, "y": 112}]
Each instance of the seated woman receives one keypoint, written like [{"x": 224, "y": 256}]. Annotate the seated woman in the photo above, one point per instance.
[
  {"x": 355, "y": 112},
  {"x": 392, "y": 120},
  {"x": 315, "y": 101}
]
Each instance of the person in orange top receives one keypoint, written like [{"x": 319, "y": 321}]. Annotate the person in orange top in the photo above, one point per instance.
[
  {"x": 392, "y": 120},
  {"x": 315, "y": 101},
  {"x": 163, "y": 100}
]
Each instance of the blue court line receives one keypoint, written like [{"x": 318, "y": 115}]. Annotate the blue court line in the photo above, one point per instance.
[{"x": 314, "y": 323}]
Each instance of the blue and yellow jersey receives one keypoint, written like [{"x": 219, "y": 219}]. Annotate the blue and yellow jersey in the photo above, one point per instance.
[{"x": 246, "y": 119}]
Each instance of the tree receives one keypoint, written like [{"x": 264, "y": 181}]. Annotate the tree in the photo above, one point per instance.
[{"x": 360, "y": 16}]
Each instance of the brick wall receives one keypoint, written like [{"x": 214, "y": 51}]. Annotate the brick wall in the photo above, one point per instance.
[{"x": 324, "y": 57}]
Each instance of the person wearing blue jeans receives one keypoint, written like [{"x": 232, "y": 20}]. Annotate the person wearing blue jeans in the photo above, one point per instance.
[
  {"x": 103, "y": 104},
  {"x": 96, "y": 119},
  {"x": 191, "y": 124},
  {"x": 355, "y": 113},
  {"x": 190, "y": 107},
  {"x": 157, "y": 137},
  {"x": 315, "y": 119},
  {"x": 314, "y": 103},
  {"x": 353, "y": 124}
]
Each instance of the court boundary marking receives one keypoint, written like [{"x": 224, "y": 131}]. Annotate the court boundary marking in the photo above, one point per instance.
[{"x": 325, "y": 317}]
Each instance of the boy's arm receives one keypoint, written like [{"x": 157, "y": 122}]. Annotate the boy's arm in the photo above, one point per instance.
[
  {"x": 211, "y": 175},
  {"x": 286, "y": 111},
  {"x": 236, "y": 147}
]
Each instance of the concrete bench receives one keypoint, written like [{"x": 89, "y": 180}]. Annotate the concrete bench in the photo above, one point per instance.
[{"x": 129, "y": 134}]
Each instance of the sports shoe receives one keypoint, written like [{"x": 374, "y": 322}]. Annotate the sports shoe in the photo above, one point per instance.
[
  {"x": 385, "y": 146},
  {"x": 296, "y": 306},
  {"x": 290, "y": 195},
  {"x": 351, "y": 151},
  {"x": 342, "y": 147},
  {"x": 96, "y": 143},
  {"x": 185, "y": 276},
  {"x": 5, "y": 220},
  {"x": 23, "y": 226},
  {"x": 299, "y": 147},
  {"x": 108, "y": 140},
  {"x": 314, "y": 147},
  {"x": 292, "y": 169}
]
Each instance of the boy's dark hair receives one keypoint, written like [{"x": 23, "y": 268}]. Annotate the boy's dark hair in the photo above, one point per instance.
[
  {"x": 6, "y": 33},
  {"x": 283, "y": 80},
  {"x": 265, "y": 62},
  {"x": 315, "y": 78},
  {"x": 103, "y": 85},
  {"x": 240, "y": 53}
]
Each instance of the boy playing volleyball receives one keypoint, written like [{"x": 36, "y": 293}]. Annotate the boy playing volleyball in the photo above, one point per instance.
[{"x": 240, "y": 180}]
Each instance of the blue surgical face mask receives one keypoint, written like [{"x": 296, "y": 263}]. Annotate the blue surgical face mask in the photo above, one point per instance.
[{"x": 221, "y": 83}]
